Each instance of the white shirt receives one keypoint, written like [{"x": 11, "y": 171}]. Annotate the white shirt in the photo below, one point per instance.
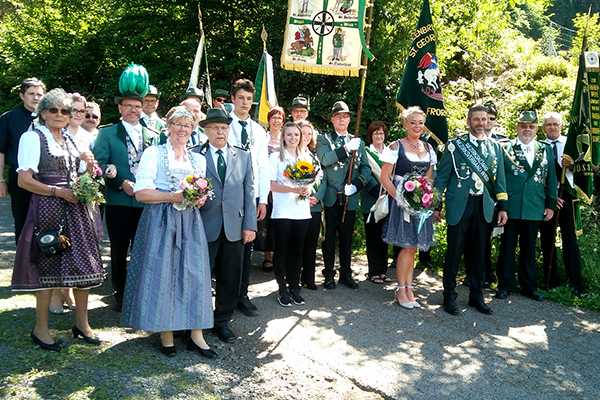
[
  {"x": 30, "y": 150},
  {"x": 145, "y": 176},
  {"x": 215, "y": 156},
  {"x": 259, "y": 140},
  {"x": 135, "y": 134},
  {"x": 391, "y": 156},
  {"x": 561, "y": 141},
  {"x": 287, "y": 205},
  {"x": 528, "y": 150},
  {"x": 83, "y": 139}
]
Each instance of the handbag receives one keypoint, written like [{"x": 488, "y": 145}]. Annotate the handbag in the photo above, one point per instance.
[
  {"x": 52, "y": 241},
  {"x": 380, "y": 209}
]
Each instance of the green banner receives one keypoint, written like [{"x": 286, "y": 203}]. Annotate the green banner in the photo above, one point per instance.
[{"x": 421, "y": 84}]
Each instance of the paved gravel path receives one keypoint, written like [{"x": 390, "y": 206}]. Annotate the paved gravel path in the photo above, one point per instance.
[{"x": 351, "y": 344}]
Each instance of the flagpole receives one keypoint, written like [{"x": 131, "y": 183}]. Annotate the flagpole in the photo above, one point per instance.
[
  {"x": 208, "y": 91},
  {"x": 363, "y": 70}
]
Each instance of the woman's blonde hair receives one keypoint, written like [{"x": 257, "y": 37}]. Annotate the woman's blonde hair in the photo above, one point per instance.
[
  {"x": 407, "y": 112},
  {"x": 288, "y": 125}
]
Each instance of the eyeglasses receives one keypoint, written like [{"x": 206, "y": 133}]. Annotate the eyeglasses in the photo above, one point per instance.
[
  {"x": 91, "y": 116},
  {"x": 491, "y": 118},
  {"x": 220, "y": 99},
  {"x": 78, "y": 111},
  {"x": 132, "y": 107},
  {"x": 183, "y": 126},
  {"x": 63, "y": 111}
]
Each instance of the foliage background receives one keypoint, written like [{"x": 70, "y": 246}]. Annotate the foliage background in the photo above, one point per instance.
[{"x": 520, "y": 53}]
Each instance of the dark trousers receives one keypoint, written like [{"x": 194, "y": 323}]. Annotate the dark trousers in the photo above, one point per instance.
[
  {"x": 377, "y": 249},
  {"x": 524, "y": 233},
  {"x": 309, "y": 250},
  {"x": 471, "y": 228},
  {"x": 570, "y": 247},
  {"x": 226, "y": 264},
  {"x": 288, "y": 235},
  {"x": 121, "y": 224},
  {"x": 19, "y": 202},
  {"x": 336, "y": 231}
]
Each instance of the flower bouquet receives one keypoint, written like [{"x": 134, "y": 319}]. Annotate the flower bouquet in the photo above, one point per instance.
[
  {"x": 416, "y": 195},
  {"x": 194, "y": 187},
  {"x": 88, "y": 187},
  {"x": 301, "y": 173}
]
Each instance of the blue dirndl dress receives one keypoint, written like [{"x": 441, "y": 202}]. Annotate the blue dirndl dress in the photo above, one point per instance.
[
  {"x": 396, "y": 230},
  {"x": 168, "y": 280}
]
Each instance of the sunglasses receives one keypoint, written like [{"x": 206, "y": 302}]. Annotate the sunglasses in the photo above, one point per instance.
[
  {"x": 63, "y": 111},
  {"x": 220, "y": 99},
  {"x": 91, "y": 116}
]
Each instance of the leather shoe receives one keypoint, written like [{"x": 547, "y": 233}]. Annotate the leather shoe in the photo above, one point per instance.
[
  {"x": 502, "y": 294},
  {"x": 246, "y": 307},
  {"x": 77, "y": 333},
  {"x": 206, "y": 353},
  {"x": 533, "y": 295},
  {"x": 349, "y": 282},
  {"x": 224, "y": 333},
  {"x": 56, "y": 346},
  {"x": 480, "y": 306},
  {"x": 451, "y": 308},
  {"x": 329, "y": 284},
  {"x": 310, "y": 286},
  {"x": 169, "y": 351}
]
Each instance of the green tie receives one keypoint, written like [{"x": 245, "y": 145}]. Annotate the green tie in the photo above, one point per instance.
[
  {"x": 221, "y": 167},
  {"x": 244, "y": 134}
]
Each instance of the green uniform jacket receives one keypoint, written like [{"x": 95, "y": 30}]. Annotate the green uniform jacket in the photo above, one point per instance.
[
  {"x": 530, "y": 189},
  {"x": 111, "y": 148},
  {"x": 335, "y": 162},
  {"x": 457, "y": 190}
]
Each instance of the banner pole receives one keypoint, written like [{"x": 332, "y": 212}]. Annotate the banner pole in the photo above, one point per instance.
[{"x": 363, "y": 71}]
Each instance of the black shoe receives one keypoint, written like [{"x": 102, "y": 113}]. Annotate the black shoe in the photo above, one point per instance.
[
  {"x": 451, "y": 308},
  {"x": 310, "y": 286},
  {"x": 533, "y": 295},
  {"x": 56, "y": 346},
  {"x": 118, "y": 305},
  {"x": 77, "y": 333},
  {"x": 349, "y": 282},
  {"x": 206, "y": 353},
  {"x": 284, "y": 298},
  {"x": 480, "y": 306},
  {"x": 329, "y": 284},
  {"x": 224, "y": 333},
  {"x": 246, "y": 307},
  {"x": 296, "y": 298},
  {"x": 169, "y": 351},
  {"x": 502, "y": 294}
]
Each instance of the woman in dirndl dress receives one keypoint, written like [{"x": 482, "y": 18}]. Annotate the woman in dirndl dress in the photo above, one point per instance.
[
  {"x": 407, "y": 155},
  {"x": 48, "y": 164},
  {"x": 168, "y": 280}
]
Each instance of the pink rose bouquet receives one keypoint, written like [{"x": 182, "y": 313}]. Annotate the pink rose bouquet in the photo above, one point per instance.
[
  {"x": 194, "y": 187},
  {"x": 417, "y": 196}
]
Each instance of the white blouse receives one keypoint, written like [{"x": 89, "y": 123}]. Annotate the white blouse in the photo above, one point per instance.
[
  {"x": 390, "y": 156},
  {"x": 30, "y": 150},
  {"x": 287, "y": 205},
  {"x": 145, "y": 177},
  {"x": 83, "y": 140}
]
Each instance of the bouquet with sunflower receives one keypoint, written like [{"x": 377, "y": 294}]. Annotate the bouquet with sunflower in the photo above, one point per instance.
[{"x": 302, "y": 173}]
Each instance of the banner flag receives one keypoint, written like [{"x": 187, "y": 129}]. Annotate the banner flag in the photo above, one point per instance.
[
  {"x": 583, "y": 137},
  {"x": 265, "y": 84},
  {"x": 421, "y": 85},
  {"x": 325, "y": 37}
]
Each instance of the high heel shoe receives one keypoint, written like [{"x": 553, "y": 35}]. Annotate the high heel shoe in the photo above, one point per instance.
[
  {"x": 77, "y": 333},
  {"x": 56, "y": 346},
  {"x": 206, "y": 353},
  {"x": 169, "y": 351},
  {"x": 414, "y": 303},
  {"x": 404, "y": 304}
]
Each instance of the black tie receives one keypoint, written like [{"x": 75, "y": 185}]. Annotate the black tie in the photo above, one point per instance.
[
  {"x": 555, "y": 152},
  {"x": 244, "y": 134},
  {"x": 221, "y": 167}
]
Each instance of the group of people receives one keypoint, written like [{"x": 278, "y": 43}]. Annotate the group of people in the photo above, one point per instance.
[{"x": 177, "y": 253}]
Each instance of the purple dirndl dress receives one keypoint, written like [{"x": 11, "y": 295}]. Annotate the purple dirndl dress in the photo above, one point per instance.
[{"x": 80, "y": 266}]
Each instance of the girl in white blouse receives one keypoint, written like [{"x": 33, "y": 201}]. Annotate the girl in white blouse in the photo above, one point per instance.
[{"x": 290, "y": 216}]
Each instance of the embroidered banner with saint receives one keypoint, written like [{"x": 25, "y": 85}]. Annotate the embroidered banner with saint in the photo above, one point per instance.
[{"x": 325, "y": 37}]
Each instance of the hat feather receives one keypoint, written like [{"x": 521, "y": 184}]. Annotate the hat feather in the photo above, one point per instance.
[{"x": 134, "y": 81}]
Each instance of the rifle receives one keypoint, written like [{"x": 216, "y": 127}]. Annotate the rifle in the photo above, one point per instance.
[{"x": 348, "y": 182}]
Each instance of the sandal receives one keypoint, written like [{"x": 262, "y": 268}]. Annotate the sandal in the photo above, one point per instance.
[
  {"x": 376, "y": 279},
  {"x": 385, "y": 278}
]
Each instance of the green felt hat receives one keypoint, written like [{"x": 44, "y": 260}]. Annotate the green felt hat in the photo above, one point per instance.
[
  {"x": 221, "y": 93},
  {"x": 340, "y": 107},
  {"x": 215, "y": 115},
  {"x": 528, "y": 117},
  {"x": 300, "y": 102}
]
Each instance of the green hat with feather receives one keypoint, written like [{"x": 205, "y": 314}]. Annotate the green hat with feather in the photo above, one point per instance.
[{"x": 133, "y": 83}]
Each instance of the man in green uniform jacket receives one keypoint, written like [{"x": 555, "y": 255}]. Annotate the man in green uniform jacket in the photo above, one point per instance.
[
  {"x": 334, "y": 151},
  {"x": 532, "y": 192},
  {"x": 118, "y": 150},
  {"x": 471, "y": 173}
]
